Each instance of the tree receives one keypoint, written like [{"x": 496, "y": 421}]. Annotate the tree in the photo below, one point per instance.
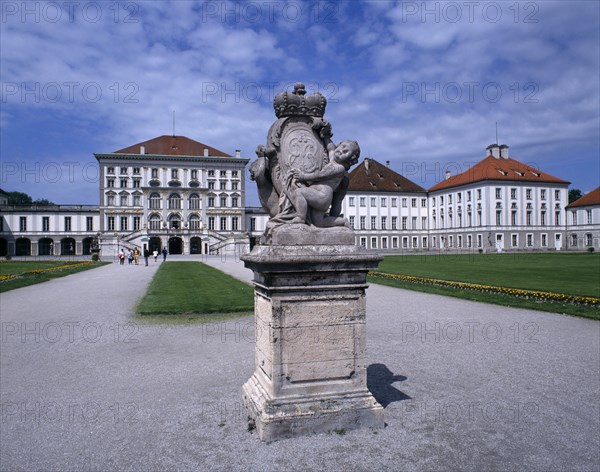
[
  {"x": 574, "y": 194},
  {"x": 43, "y": 202},
  {"x": 20, "y": 198}
]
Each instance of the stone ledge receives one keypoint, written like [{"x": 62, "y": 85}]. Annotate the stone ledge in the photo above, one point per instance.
[
  {"x": 310, "y": 414},
  {"x": 301, "y": 234}
]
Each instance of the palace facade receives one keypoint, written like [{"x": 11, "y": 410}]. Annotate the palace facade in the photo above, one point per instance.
[{"x": 174, "y": 192}]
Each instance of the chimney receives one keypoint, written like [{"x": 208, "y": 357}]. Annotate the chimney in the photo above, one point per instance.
[
  {"x": 367, "y": 164},
  {"x": 494, "y": 150},
  {"x": 387, "y": 163},
  {"x": 448, "y": 174},
  {"x": 205, "y": 152},
  {"x": 504, "y": 151},
  {"x": 142, "y": 149},
  {"x": 237, "y": 153}
]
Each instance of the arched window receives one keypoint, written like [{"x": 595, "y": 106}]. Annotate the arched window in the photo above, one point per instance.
[
  {"x": 174, "y": 221},
  {"x": 194, "y": 202},
  {"x": 195, "y": 222},
  {"x": 154, "y": 222},
  {"x": 154, "y": 201},
  {"x": 174, "y": 201}
]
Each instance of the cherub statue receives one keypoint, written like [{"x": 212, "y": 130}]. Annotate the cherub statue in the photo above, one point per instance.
[
  {"x": 301, "y": 175},
  {"x": 319, "y": 187}
]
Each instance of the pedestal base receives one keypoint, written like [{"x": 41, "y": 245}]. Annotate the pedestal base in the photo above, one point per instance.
[
  {"x": 309, "y": 414},
  {"x": 310, "y": 328}
]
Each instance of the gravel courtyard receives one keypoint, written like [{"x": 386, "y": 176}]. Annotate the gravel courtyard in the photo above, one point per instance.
[{"x": 466, "y": 386}]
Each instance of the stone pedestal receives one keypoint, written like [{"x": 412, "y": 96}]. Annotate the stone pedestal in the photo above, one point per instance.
[{"x": 310, "y": 312}]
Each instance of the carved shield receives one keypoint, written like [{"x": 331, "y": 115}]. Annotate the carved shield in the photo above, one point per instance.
[{"x": 301, "y": 148}]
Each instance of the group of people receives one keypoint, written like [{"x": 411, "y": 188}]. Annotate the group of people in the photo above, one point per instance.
[{"x": 134, "y": 256}]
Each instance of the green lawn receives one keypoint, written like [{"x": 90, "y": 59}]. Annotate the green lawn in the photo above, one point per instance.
[
  {"x": 195, "y": 288},
  {"x": 574, "y": 274},
  {"x": 22, "y": 269}
]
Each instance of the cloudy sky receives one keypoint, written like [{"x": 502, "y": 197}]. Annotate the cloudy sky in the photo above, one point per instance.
[{"x": 420, "y": 84}]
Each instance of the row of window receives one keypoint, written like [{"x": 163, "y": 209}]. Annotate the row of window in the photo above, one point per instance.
[
  {"x": 174, "y": 222},
  {"x": 174, "y": 201},
  {"x": 383, "y": 222},
  {"x": 414, "y": 221},
  {"x": 393, "y": 242},
  {"x": 498, "y": 194},
  {"x": 383, "y": 201},
  {"x": 514, "y": 220},
  {"x": 588, "y": 214},
  {"x": 67, "y": 224},
  {"x": 136, "y": 183},
  {"x": 174, "y": 172},
  {"x": 460, "y": 241}
]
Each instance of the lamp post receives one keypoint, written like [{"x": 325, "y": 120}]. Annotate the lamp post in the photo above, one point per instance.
[{"x": 118, "y": 244}]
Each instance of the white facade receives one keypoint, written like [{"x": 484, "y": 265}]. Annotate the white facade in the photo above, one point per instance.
[
  {"x": 498, "y": 215},
  {"x": 583, "y": 222},
  {"x": 388, "y": 221},
  {"x": 59, "y": 230},
  {"x": 189, "y": 204}
]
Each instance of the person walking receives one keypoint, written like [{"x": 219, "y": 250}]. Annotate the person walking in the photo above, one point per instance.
[
  {"x": 146, "y": 256},
  {"x": 155, "y": 254},
  {"x": 136, "y": 256},
  {"x": 122, "y": 257},
  {"x": 130, "y": 256},
  {"x": 164, "y": 253}
]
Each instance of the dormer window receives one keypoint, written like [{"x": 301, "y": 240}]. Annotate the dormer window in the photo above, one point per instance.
[
  {"x": 535, "y": 173},
  {"x": 502, "y": 172},
  {"x": 521, "y": 174}
]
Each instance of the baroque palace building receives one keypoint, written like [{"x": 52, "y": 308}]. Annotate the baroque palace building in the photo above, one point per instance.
[{"x": 174, "y": 192}]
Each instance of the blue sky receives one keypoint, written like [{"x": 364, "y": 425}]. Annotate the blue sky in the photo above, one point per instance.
[{"x": 420, "y": 84}]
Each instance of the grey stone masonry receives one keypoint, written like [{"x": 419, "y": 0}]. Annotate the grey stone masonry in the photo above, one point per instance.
[{"x": 310, "y": 321}]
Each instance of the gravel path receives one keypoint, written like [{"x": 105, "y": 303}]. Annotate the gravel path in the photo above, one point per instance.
[{"x": 85, "y": 385}]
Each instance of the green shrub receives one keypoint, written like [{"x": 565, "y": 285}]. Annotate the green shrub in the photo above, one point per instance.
[
  {"x": 95, "y": 257},
  {"x": 8, "y": 257},
  {"x": 590, "y": 249}
]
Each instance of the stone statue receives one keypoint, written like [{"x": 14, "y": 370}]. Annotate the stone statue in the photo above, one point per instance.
[{"x": 302, "y": 176}]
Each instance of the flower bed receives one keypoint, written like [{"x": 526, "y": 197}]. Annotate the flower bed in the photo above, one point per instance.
[
  {"x": 516, "y": 292},
  {"x": 41, "y": 271}
]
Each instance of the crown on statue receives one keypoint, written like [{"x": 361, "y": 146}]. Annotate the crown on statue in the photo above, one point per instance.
[{"x": 298, "y": 103}]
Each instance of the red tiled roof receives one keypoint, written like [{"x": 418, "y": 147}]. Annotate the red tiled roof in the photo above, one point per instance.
[
  {"x": 591, "y": 198},
  {"x": 491, "y": 168},
  {"x": 173, "y": 146},
  {"x": 379, "y": 178}
]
